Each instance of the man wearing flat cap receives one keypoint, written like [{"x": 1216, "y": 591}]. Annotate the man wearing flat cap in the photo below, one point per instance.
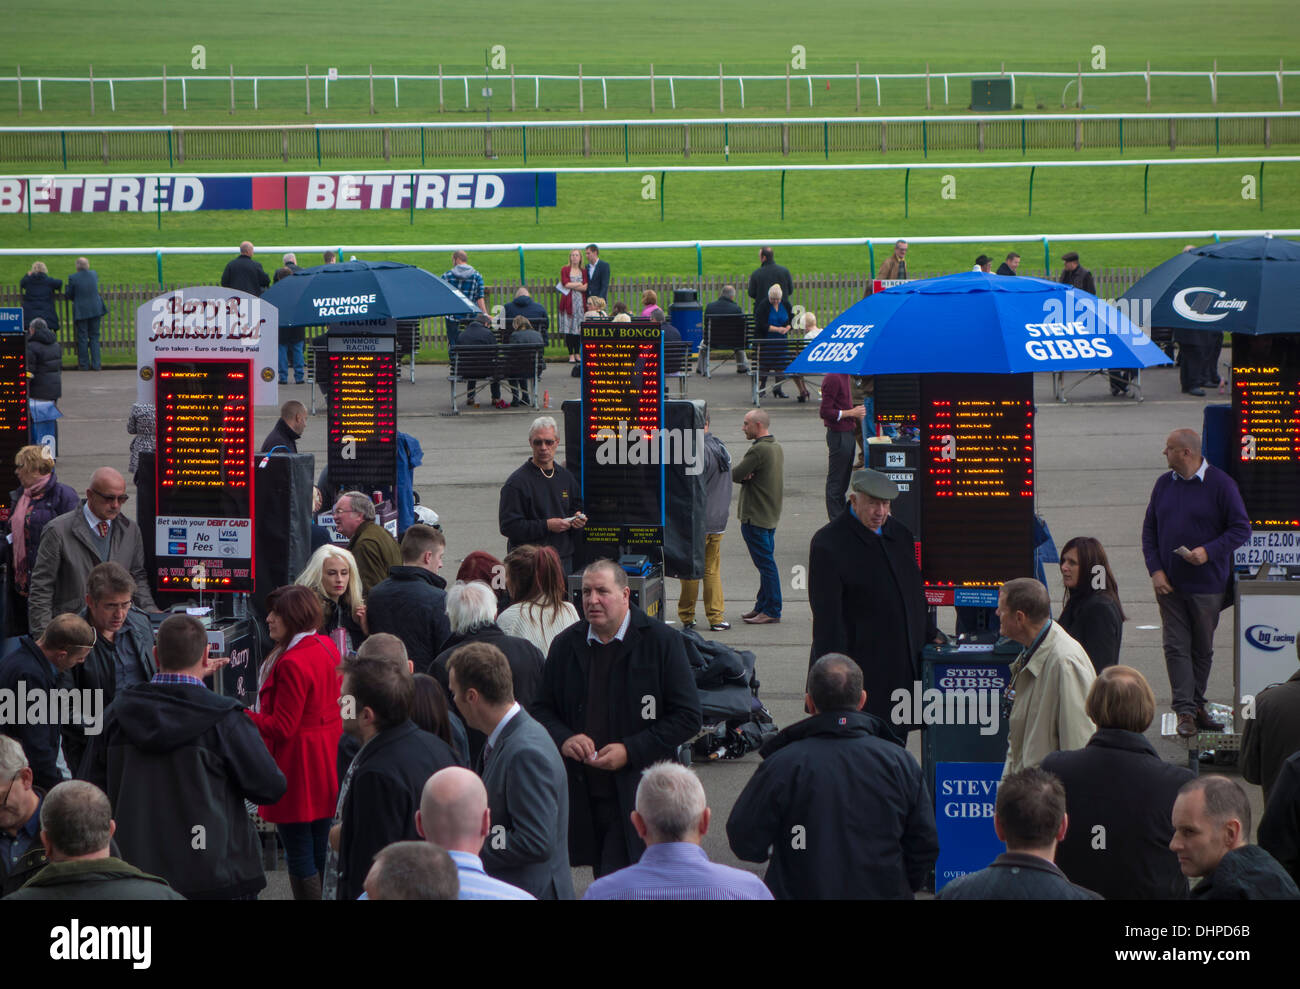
[
  {"x": 1075, "y": 274},
  {"x": 865, "y": 591}
]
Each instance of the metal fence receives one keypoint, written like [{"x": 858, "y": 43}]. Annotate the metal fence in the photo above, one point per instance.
[
  {"x": 218, "y": 89},
  {"x": 824, "y": 294},
  {"x": 54, "y": 147}
]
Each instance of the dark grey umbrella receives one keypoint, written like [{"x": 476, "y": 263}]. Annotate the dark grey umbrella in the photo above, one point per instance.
[
  {"x": 1244, "y": 286},
  {"x": 357, "y": 291}
]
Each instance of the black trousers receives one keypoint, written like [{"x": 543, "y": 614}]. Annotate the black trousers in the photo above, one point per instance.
[
  {"x": 611, "y": 844},
  {"x": 840, "y": 450},
  {"x": 1193, "y": 359}
]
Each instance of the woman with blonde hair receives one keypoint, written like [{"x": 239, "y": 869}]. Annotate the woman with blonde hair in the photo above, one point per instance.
[
  {"x": 541, "y": 609},
  {"x": 38, "y": 290},
  {"x": 332, "y": 573},
  {"x": 573, "y": 277}
]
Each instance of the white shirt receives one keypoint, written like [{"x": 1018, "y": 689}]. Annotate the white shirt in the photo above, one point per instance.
[
  {"x": 505, "y": 720},
  {"x": 622, "y": 630},
  {"x": 1199, "y": 475}
]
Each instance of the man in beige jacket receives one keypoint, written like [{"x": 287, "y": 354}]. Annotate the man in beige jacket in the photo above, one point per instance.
[{"x": 1050, "y": 678}]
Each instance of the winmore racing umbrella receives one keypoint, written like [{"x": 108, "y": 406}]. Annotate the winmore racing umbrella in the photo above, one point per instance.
[{"x": 364, "y": 290}]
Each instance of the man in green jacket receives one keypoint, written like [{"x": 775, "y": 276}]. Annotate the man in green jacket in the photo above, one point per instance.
[
  {"x": 761, "y": 475},
  {"x": 369, "y": 542},
  {"x": 76, "y": 827}
]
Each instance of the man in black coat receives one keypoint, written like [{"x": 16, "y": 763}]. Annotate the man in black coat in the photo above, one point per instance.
[
  {"x": 523, "y": 304},
  {"x": 541, "y": 502},
  {"x": 868, "y": 602},
  {"x": 123, "y": 654},
  {"x": 1273, "y": 734},
  {"x": 381, "y": 790},
  {"x": 31, "y": 668},
  {"x": 471, "y": 610},
  {"x": 288, "y": 429},
  {"x": 837, "y": 804},
  {"x": 617, "y": 696},
  {"x": 1009, "y": 266},
  {"x": 521, "y": 332},
  {"x": 1211, "y": 839},
  {"x": 767, "y": 274},
  {"x": 1118, "y": 783},
  {"x": 1279, "y": 831},
  {"x": 476, "y": 362},
  {"x": 178, "y": 761},
  {"x": 244, "y": 274},
  {"x": 1030, "y": 817},
  {"x": 412, "y": 602},
  {"x": 732, "y": 327}
]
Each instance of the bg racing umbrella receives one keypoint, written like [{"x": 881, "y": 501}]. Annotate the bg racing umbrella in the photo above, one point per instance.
[
  {"x": 978, "y": 323},
  {"x": 1244, "y": 286},
  {"x": 364, "y": 290}
]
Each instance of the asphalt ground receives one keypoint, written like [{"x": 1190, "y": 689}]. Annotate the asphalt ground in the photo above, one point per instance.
[{"x": 1097, "y": 459}]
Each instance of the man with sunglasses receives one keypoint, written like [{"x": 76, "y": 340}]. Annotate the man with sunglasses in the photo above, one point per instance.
[
  {"x": 541, "y": 503},
  {"x": 75, "y": 543}
]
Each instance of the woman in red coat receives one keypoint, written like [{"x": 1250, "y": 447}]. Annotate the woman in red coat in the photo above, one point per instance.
[{"x": 298, "y": 716}]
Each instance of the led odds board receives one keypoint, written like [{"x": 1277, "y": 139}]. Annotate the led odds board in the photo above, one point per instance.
[
  {"x": 14, "y": 425},
  {"x": 362, "y": 420},
  {"x": 204, "y": 526},
  {"x": 977, "y": 484},
  {"x": 622, "y": 446},
  {"x": 1266, "y": 461}
]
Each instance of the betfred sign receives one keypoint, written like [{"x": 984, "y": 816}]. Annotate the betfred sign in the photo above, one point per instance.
[{"x": 325, "y": 191}]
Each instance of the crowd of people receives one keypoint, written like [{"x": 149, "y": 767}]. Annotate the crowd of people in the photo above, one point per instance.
[{"x": 415, "y": 739}]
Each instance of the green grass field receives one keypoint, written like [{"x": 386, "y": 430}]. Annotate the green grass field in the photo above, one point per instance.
[
  {"x": 139, "y": 37},
  {"x": 703, "y": 206}
]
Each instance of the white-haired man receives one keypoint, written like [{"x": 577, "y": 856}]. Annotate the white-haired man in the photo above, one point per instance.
[
  {"x": 672, "y": 816},
  {"x": 472, "y": 612},
  {"x": 541, "y": 503}
]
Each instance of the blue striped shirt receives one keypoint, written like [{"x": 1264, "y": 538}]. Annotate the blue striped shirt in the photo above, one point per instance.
[
  {"x": 678, "y": 870},
  {"x": 475, "y": 884},
  {"x": 177, "y": 678}
]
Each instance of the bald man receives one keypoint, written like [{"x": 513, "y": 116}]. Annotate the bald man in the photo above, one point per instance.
[
  {"x": 1194, "y": 522},
  {"x": 454, "y": 815},
  {"x": 245, "y": 274},
  {"x": 74, "y": 543}
]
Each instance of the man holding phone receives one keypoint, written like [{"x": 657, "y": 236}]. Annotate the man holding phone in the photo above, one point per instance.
[
  {"x": 1194, "y": 522},
  {"x": 541, "y": 502}
]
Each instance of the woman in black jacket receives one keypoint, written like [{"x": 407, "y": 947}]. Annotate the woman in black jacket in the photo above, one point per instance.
[
  {"x": 1092, "y": 613},
  {"x": 45, "y": 382},
  {"x": 38, "y": 295}
]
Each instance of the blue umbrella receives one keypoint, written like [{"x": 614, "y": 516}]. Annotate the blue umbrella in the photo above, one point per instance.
[
  {"x": 1243, "y": 286},
  {"x": 364, "y": 290},
  {"x": 977, "y": 323}
]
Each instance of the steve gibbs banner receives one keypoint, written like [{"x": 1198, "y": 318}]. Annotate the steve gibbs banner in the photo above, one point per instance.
[{"x": 187, "y": 193}]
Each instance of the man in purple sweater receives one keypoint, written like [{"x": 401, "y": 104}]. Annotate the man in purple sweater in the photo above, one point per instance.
[{"x": 1194, "y": 522}]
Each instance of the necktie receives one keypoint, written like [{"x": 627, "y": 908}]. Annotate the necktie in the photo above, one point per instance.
[
  {"x": 483, "y": 758},
  {"x": 103, "y": 529}
]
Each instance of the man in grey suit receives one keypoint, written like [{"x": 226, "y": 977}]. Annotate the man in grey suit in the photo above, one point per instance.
[
  {"x": 74, "y": 543},
  {"x": 87, "y": 310},
  {"x": 528, "y": 790}
]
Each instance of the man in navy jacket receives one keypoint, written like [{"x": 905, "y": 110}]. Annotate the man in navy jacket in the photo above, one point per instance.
[
  {"x": 30, "y": 670},
  {"x": 1194, "y": 522}
]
